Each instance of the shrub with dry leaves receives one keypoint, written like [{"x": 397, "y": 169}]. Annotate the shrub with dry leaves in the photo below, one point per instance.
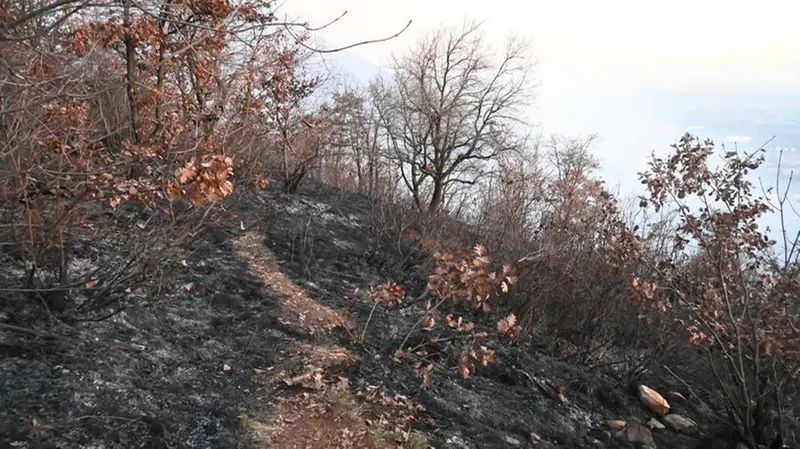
[
  {"x": 739, "y": 300},
  {"x": 464, "y": 277}
]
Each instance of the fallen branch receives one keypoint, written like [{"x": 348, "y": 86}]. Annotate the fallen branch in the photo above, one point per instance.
[
  {"x": 50, "y": 336},
  {"x": 28, "y": 331}
]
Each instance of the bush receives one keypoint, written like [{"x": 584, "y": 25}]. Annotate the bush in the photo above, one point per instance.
[{"x": 738, "y": 300}]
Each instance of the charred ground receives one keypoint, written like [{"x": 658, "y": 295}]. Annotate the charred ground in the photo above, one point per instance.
[{"x": 246, "y": 340}]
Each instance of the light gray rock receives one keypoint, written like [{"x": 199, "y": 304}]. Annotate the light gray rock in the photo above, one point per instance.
[
  {"x": 655, "y": 424},
  {"x": 680, "y": 424}
]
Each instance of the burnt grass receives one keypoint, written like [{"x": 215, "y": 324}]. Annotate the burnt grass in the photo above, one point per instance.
[{"x": 174, "y": 368}]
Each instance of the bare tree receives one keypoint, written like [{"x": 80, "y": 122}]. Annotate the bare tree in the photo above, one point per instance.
[
  {"x": 450, "y": 108},
  {"x": 348, "y": 149}
]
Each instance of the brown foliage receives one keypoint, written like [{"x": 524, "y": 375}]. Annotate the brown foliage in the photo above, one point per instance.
[
  {"x": 735, "y": 295},
  {"x": 458, "y": 277},
  {"x": 461, "y": 276},
  {"x": 144, "y": 105}
]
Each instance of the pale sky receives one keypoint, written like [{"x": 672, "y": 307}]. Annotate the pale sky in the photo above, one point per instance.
[
  {"x": 598, "y": 60},
  {"x": 657, "y": 41}
]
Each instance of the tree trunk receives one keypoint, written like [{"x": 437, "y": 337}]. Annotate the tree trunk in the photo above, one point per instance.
[
  {"x": 437, "y": 199},
  {"x": 130, "y": 74}
]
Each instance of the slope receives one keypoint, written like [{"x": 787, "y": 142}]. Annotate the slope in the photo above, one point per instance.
[{"x": 256, "y": 340}]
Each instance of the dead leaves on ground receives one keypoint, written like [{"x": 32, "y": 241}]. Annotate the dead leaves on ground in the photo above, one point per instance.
[
  {"x": 389, "y": 292},
  {"x": 314, "y": 362},
  {"x": 477, "y": 356},
  {"x": 458, "y": 323},
  {"x": 311, "y": 379},
  {"x": 335, "y": 417},
  {"x": 428, "y": 322}
]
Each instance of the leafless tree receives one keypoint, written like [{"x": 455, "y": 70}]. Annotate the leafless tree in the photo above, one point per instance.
[{"x": 451, "y": 107}]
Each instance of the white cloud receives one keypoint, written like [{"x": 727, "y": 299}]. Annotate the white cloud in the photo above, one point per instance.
[{"x": 739, "y": 139}]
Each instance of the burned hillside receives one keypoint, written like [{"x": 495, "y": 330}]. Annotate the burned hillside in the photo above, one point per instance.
[
  {"x": 259, "y": 324},
  {"x": 208, "y": 241}
]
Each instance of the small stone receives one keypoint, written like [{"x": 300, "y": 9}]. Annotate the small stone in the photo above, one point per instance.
[
  {"x": 614, "y": 424},
  {"x": 639, "y": 435},
  {"x": 513, "y": 441},
  {"x": 654, "y": 424},
  {"x": 680, "y": 424},
  {"x": 675, "y": 395},
  {"x": 456, "y": 442}
]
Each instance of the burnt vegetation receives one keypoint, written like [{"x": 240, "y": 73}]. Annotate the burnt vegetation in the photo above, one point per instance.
[{"x": 184, "y": 202}]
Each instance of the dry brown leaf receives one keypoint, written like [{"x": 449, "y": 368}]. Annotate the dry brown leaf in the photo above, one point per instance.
[
  {"x": 426, "y": 376},
  {"x": 560, "y": 394},
  {"x": 481, "y": 261},
  {"x": 486, "y": 356},
  {"x": 428, "y": 322},
  {"x": 464, "y": 366},
  {"x": 506, "y": 324}
]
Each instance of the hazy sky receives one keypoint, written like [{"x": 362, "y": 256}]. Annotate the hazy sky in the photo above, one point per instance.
[
  {"x": 603, "y": 67},
  {"x": 634, "y": 39}
]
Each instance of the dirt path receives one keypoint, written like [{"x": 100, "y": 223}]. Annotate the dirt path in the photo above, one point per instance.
[{"x": 319, "y": 410}]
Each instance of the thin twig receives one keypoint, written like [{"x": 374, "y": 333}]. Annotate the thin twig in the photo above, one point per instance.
[
  {"x": 427, "y": 312},
  {"x": 28, "y": 331},
  {"x": 346, "y": 47},
  {"x": 361, "y": 340},
  {"x": 688, "y": 387}
]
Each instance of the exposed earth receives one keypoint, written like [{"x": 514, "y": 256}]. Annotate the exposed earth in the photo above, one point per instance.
[{"x": 256, "y": 340}]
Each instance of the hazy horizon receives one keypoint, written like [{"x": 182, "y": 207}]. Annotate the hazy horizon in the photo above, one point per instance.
[{"x": 638, "y": 93}]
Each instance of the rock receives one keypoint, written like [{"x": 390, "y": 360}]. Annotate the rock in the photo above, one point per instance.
[
  {"x": 653, "y": 401},
  {"x": 639, "y": 435},
  {"x": 680, "y": 424},
  {"x": 457, "y": 442},
  {"x": 614, "y": 424},
  {"x": 741, "y": 446},
  {"x": 655, "y": 424},
  {"x": 513, "y": 441},
  {"x": 675, "y": 396}
]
